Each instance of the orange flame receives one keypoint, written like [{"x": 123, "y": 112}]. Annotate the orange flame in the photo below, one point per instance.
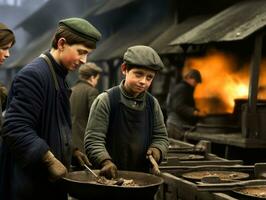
[{"x": 223, "y": 81}]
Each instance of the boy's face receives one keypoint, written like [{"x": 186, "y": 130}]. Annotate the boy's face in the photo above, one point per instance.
[
  {"x": 192, "y": 82},
  {"x": 4, "y": 52},
  {"x": 137, "y": 80},
  {"x": 72, "y": 56}
]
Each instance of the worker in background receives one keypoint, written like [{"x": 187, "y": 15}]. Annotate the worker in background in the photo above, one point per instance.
[
  {"x": 36, "y": 150},
  {"x": 83, "y": 94},
  {"x": 7, "y": 40},
  {"x": 126, "y": 124},
  {"x": 182, "y": 113}
]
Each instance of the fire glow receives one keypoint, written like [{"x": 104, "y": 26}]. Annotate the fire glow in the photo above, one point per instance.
[{"x": 223, "y": 81}]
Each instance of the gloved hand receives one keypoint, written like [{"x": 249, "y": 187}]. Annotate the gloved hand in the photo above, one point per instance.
[
  {"x": 55, "y": 168},
  {"x": 156, "y": 153},
  {"x": 203, "y": 145},
  {"x": 109, "y": 169},
  {"x": 80, "y": 158}
]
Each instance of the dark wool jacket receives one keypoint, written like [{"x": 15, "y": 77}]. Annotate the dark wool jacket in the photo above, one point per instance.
[
  {"x": 181, "y": 105},
  {"x": 81, "y": 99},
  {"x": 37, "y": 119}
]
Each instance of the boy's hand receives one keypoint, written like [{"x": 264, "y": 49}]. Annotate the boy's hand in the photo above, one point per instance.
[
  {"x": 156, "y": 153},
  {"x": 109, "y": 169},
  {"x": 55, "y": 168},
  {"x": 81, "y": 158}
]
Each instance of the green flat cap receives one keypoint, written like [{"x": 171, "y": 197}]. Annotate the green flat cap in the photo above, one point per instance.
[
  {"x": 143, "y": 56},
  {"x": 82, "y": 28}
]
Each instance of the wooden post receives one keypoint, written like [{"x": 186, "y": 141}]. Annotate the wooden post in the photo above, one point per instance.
[{"x": 250, "y": 123}]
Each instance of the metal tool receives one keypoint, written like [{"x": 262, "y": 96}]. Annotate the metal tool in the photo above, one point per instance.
[
  {"x": 91, "y": 171},
  {"x": 155, "y": 168},
  {"x": 118, "y": 182}
]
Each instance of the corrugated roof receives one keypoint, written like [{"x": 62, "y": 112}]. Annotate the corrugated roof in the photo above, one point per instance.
[
  {"x": 43, "y": 42},
  {"x": 117, "y": 44},
  {"x": 234, "y": 23},
  {"x": 59, "y": 9},
  {"x": 160, "y": 44}
]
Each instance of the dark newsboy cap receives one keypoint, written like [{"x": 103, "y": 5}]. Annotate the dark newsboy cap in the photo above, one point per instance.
[
  {"x": 89, "y": 68},
  {"x": 81, "y": 27},
  {"x": 195, "y": 74},
  {"x": 143, "y": 56}
]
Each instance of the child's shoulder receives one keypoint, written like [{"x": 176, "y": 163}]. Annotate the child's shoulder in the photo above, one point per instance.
[
  {"x": 112, "y": 89},
  {"x": 149, "y": 95}
]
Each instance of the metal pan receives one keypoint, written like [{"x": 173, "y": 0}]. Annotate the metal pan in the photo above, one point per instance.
[
  {"x": 252, "y": 192},
  {"x": 83, "y": 185},
  {"x": 222, "y": 175},
  {"x": 185, "y": 156}
]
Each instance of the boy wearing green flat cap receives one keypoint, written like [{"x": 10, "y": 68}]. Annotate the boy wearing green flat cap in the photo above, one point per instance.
[
  {"x": 37, "y": 150},
  {"x": 126, "y": 123}
]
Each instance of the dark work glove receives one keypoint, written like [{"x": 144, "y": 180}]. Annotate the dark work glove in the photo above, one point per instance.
[
  {"x": 80, "y": 158},
  {"x": 55, "y": 168},
  {"x": 109, "y": 169},
  {"x": 156, "y": 153}
]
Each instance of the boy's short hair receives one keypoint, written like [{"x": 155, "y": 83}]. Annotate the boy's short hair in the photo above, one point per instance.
[
  {"x": 143, "y": 56},
  {"x": 77, "y": 31},
  {"x": 89, "y": 69}
]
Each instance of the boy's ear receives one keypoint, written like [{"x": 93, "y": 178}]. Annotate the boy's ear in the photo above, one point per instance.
[
  {"x": 61, "y": 43},
  {"x": 123, "y": 68}
]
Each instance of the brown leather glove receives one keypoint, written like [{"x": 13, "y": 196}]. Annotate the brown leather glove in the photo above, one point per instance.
[
  {"x": 156, "y": 153},
  {"x": 81, "y": 158},
  {"x": 55, "y": 168},
  {"x": 109, "y": 169}
]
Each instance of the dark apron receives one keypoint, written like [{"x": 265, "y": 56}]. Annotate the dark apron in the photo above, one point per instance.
[{"x": 129, "y": 134}]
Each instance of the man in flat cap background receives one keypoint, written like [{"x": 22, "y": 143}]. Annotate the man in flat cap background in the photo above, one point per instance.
[
  {"x": 182, "y": 113},
  {"x": 126, "y": 123},
  {"x": 83, "y": 94},
  {"x": 37, "y": 148}
]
